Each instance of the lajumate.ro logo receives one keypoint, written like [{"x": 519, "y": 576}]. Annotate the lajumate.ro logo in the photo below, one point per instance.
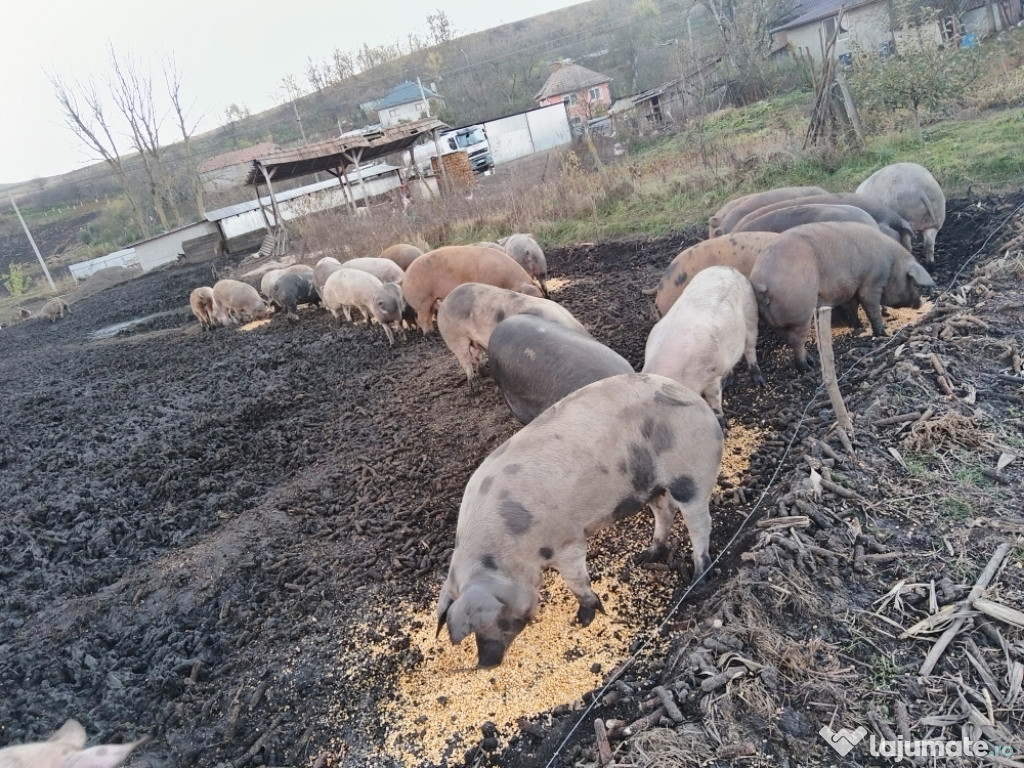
[{"x": 843, "y": 741}]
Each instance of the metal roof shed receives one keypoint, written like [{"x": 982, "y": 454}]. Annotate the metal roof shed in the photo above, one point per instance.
[{"x": 333, "y": 156}]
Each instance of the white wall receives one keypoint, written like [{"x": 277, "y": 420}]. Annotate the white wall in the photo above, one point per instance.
[{"x": 528, "y": 132}]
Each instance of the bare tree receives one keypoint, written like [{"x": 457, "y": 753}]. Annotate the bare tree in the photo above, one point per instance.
[
  {"x": 440, "y": 28},
  {"x": 132, "y": 92},
  {"x": 90, "y": 124},
  {"x": 172, "y": 76},
  {"x": 744, "y": 31}
]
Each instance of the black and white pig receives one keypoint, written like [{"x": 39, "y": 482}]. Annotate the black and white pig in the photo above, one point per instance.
[
  {"x": 597, "y": 456},
  {"x": 536, "y": 362}
]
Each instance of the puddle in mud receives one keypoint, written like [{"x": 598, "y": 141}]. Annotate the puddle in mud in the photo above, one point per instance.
[{"x": 112, "y": 330}]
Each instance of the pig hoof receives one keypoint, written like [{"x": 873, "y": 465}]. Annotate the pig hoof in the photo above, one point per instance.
[
  {"x": 585, "y": 614},
  {"x": 757, "y": 376},
  {"x": 656, "y": 553}
]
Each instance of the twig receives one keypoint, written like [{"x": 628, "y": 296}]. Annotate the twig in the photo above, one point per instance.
[
  {"x": 947, "y": 637},
  {"x": 604, "y": 749}
]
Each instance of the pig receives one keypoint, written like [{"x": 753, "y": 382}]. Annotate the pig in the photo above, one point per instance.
[
  {"x": 738, "y": 250},
  {"x": 238, "y": 302},
  {"x": 437, "y": 273},
  {"x": 201, "y": 302},
  {"x": 702, "y": 337},
  {"x": 791, "y": 216},
  {"x": 267, "y": 281},
  {"x": 349, "y": 289},
  {"x": 66, "y": 749},
  {"x": 384, "y": 270},
  {"x": 830, "y": 264},
  {"x": 722, "y": 222},
  {"x": 526, "y": 252},
  {"x": 292, "y": 289},
  {"x": 887, "y": 219},
  {"x": 322, "y": 271},
  {"x": 54, "y": 310},
  {"x": 470, "y": 312},
  {"x": 911, "y": 191},
  {"x": 598, "y": 455},
  {"x": 536, "y": 362},
  {"x": 402, "y": 254}
]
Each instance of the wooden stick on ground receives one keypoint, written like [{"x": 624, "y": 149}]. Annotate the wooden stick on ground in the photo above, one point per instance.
[
  {"x": 983, "y": 581},
  {"x": 823, "y": 333}
]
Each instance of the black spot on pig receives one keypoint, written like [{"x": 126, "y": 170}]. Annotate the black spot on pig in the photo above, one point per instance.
[
  {"x": 546, "y": 552},
  {"x": 485, "y": 485},
  {"x": 513, "y": 469},
  {"x": 641, "y": 468},
  {"x": 657, "y": 434},
  {"x": 487, "y": 561},
  {"x": 499, "y": 315},
  {"x": 626, "y": 508},
  {"x": 681, "y": 278},
  {"x": 518, "y": 518},
  {"x": 667, "y": 397},
  {"x": 682, "y": 489}
]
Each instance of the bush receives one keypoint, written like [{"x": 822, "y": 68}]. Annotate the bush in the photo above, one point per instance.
[{"x": 17, "y": 280}]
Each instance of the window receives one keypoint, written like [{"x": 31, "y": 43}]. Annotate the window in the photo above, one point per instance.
[
  {"x": 569, "y": 99},
  {"x": 594, "y": 94},
  {"x": 829, "y": 28}
]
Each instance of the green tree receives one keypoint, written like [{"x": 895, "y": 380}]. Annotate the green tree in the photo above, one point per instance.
[{"x": 16, "y": 281}]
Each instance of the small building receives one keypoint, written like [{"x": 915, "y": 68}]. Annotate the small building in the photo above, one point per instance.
[
  {"x": 869, "y": 25},
  {"x": 406, "y": 103},
  {"x": 585, "y": 93}
]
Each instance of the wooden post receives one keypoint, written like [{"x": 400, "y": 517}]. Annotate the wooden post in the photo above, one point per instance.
[{"x": 823, "y": 332}]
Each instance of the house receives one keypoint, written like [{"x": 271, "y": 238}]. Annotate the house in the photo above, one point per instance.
[
  {"x": 585, "y": 93},
  {"x": 407, "y": 102},
  {"x": 868, "y": 25},
  {"x": 228, "y": 171}
]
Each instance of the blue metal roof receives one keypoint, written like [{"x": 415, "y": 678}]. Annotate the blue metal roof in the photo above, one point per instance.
[{"x": 406, "y": 93}]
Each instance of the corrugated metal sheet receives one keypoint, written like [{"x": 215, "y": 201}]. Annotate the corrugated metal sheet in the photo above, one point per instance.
[
  {"x": 549, "y": 127},
  {"x": 523, "y": 134},
  {"x": 122, "y": 258}
]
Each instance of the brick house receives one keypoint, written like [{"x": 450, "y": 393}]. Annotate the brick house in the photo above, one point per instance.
[{"x": 585, "y": 93}]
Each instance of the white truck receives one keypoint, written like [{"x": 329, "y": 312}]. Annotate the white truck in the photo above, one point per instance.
[{"x": 470, "y": 139}]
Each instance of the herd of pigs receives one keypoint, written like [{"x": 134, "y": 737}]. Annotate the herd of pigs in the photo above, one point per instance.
[{"x": 600, "y": 441}]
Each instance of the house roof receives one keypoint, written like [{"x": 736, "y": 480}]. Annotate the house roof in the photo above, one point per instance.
[
  {"x": 570, "y": 78},
  {"x": 237, "y": 157},
  {"x": 809, "y": 11},
  {"x": 405, "y": 93}
]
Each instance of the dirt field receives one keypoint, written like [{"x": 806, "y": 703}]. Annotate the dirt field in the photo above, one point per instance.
[{"x": 233, "y": 541}]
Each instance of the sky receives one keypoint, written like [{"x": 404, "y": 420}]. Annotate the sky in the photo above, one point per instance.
[{"x": 227, "y": 52}]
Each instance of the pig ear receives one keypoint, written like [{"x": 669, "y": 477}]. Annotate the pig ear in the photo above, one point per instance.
[
  {"x": 103, "y": 756},
  {"x": 474, "y": 609},
  {"x": 919, "y": 274},
  {"x": 71, "y": 733}
]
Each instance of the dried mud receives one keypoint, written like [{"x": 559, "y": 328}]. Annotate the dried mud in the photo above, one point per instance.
[{"x": 233, "y": 541}]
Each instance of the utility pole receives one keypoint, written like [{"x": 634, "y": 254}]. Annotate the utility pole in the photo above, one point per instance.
[{"x": 33, "y": 242}]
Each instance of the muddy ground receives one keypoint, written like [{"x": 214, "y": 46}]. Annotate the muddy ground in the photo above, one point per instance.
[{"x": 231, "y": 541}]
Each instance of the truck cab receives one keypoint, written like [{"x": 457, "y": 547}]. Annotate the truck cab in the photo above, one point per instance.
[{"x": 471, "y": 139}]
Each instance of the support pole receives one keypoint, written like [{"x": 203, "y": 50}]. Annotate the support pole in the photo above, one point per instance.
[{"x": 33, "y": 242}]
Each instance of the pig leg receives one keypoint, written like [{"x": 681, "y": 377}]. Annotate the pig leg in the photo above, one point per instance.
[
  {"x": 664, "y": 513},
  {"x": 750, "y": 354},
  {"x": 850, "y": 308},
  {"x": 571, "y": 563},
  {"x": 712, "y": 395},
  {"x": 697, "y": 517},
  {"x": 873, "y": 309},
  {"x": 928, "y": 235}
]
